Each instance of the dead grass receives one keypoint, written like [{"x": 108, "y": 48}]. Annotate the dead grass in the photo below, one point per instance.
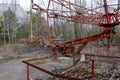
[
  {"x": 39, "y": 62},
  {"x": 8, "y": 58}
]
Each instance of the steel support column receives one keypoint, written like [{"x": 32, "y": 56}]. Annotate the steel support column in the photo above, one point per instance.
[
  {"x": 108, "y": 40},
  {"x": 28, "y": 73},
  {"x": 92, "y": 70}
]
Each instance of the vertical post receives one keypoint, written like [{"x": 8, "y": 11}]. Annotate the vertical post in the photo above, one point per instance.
[
  {"x": 31, "y": 32},
  {"x": 73, "y": 59},
  {"x": 92, "y": 69},
  {"x": 27, "y": 72},
  {"x": 108, "y": 40},
  {"x": 108, "y": 46},
  {"x": 48, "y": 17}
]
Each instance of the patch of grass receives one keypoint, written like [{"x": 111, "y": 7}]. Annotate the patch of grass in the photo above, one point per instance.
[
  {"x": 82, "y": 70},
  {"x": 103, "y": 75},
  {"x": 39, "y": 62}
]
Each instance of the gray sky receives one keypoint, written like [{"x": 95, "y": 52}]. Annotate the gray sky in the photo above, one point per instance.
[{"x": 26, "y": 3}]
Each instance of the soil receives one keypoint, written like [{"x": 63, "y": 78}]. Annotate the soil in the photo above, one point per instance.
[{"x": 12, "y": 68}]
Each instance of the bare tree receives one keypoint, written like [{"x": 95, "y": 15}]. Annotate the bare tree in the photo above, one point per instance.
[{"x": 10, "y": 21}]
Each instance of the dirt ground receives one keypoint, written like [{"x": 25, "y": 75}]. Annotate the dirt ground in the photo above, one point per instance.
[
  {"x": 12, "y": 68},
  {"x": 11, "y": 56}
]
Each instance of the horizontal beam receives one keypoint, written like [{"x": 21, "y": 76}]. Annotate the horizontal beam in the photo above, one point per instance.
[
  {"x": 102, "y": 58},
  {"x": 51, "y": 73}
]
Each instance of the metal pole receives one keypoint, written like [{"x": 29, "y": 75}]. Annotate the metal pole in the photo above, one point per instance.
[
  {"x": 48, "y": 17},
  {"x": 73, "y": 59},
  {"x": 93, "y": 70},
  {"x": 28, "y": 72},
  {"x": 31, "y": 31}
]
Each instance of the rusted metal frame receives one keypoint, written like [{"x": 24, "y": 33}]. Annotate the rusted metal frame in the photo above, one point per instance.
[
  {"x": 73, "y": 67},
  {"x": 87, "y": 39},
  {"x": 28, "y": 75},
  {"x": 108, "y": 16},
  {"x": 78, "y": 52},
  {"x": 103, "y": 6},
  {"x": 64, "y": 6},
  {"x": 51, "y": 73},
  {"x": 98, "y": 8},
  {"x": 58, "y": 15},
  {"x": 39, "y": 8},
  {"x": 86, "y": 20},
  {"x": 62, "y": 17},
  {"x": 48, "y": 19},
  {"x": 80, "y": 6},
  {"x": 67, "y": 18},
  {"x": 108, "y": 40},
  {"x": 68, "y": 11},
  {"x": 45, "y": 10},
  {"x": 76, "y": 5},
  {"x": 81, "y": 22},
  {"x": 102, "y": 56},
  {"x": 93, "y": 74},
  {"x": 71, "y": 18},
  {"x": 50, "y": 57},
  {"x": 63, "y": 11},
  {"x": 81, "y": 47},
  {"x": 91, "y": 10}
]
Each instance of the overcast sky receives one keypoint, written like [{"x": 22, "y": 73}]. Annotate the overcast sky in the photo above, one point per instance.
[{"x": 26, "y": 3}]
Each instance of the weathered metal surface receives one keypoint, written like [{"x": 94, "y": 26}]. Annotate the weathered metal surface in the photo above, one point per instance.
[
  {"x": 48, "y": 72},
  {"x": 106, "y": 19},
  {"x": 87, "y": 39},
  {"x": 114, "y": 59}
]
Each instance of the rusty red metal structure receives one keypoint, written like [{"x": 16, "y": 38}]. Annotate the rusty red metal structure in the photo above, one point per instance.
[
  {"x": 71, "y": 11},
  {"x": 107, "y": 15},
  {"x": 61, "y": 76}
]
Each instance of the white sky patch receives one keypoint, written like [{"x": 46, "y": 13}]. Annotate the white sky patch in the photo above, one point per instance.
[{"x": 25, "y": 4}]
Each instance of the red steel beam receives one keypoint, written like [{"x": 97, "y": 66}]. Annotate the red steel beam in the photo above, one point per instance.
[
  {"x": 103, "y": 56},
  {"x": 81, "y": 48},
  {"x": 93, "y": 70},
  {"x": 28, "y": 75},
  {"x": 85, "y": 40},
  {"x": 88, "y": 16},
  {"x": 50, "y": 57}
]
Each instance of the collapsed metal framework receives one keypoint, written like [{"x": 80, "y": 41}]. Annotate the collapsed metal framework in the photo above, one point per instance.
[{"x": 71, "y": 11}]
